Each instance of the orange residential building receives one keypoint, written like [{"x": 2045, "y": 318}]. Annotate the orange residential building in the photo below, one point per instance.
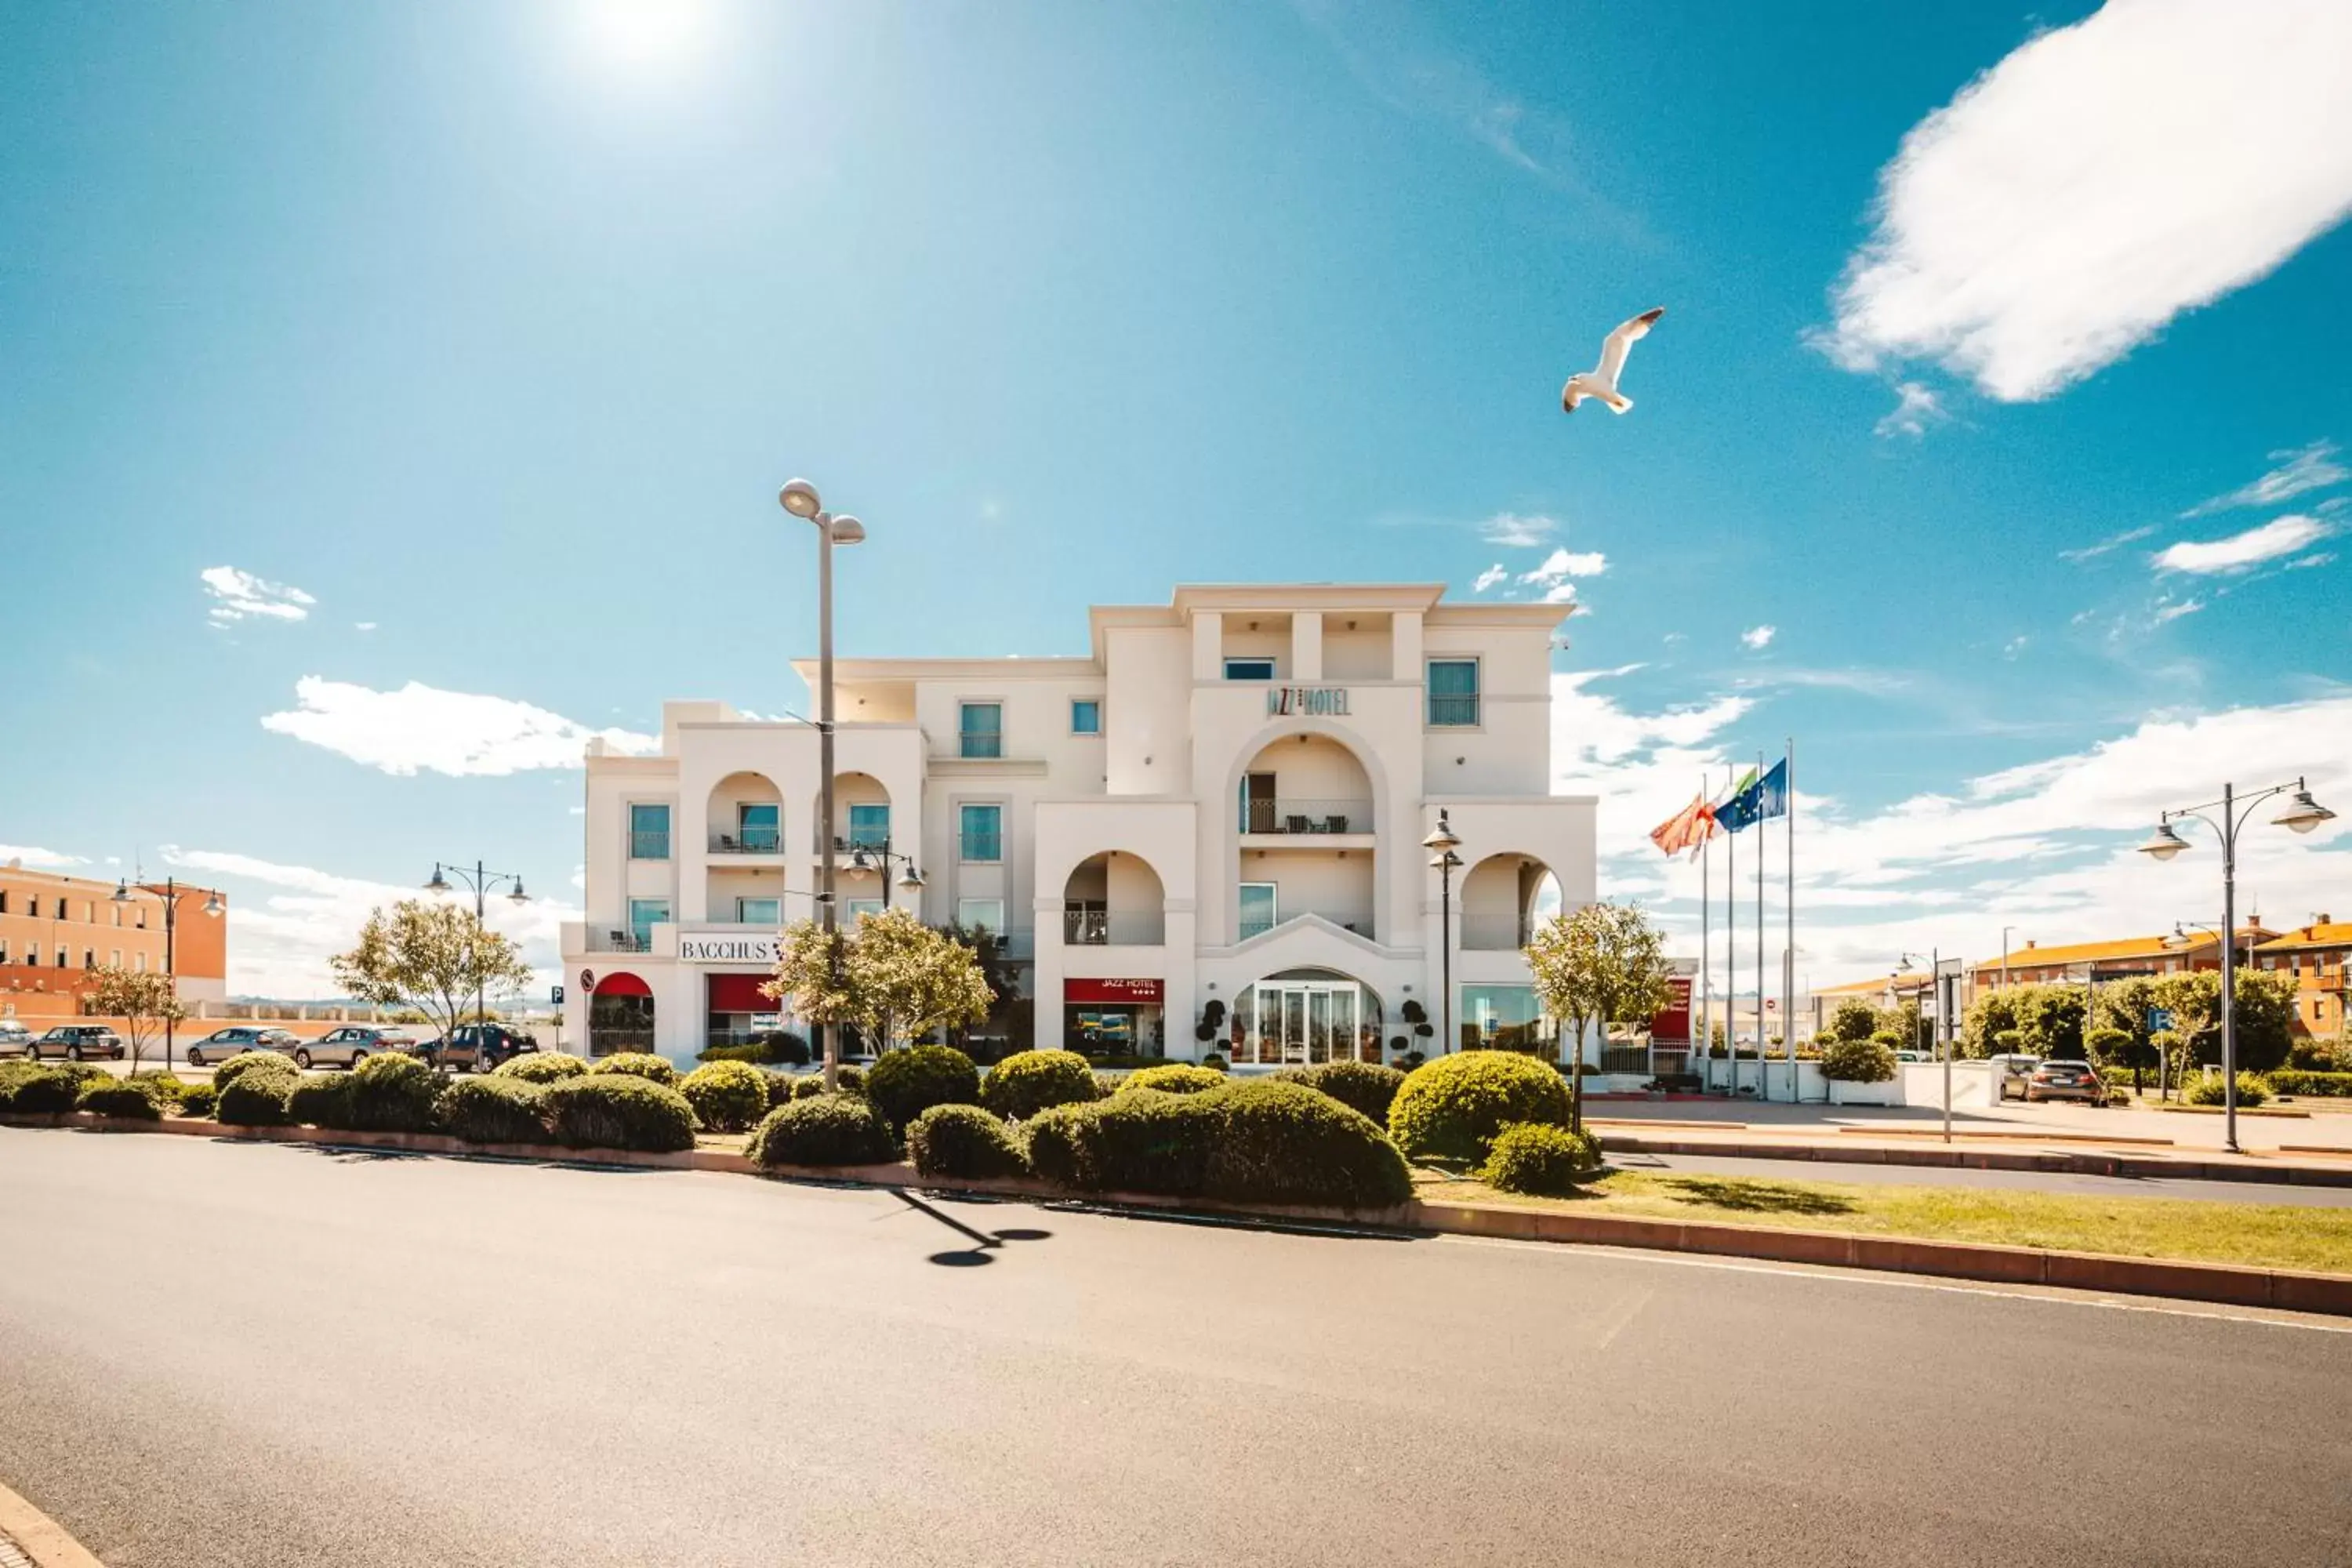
[
  {"x": 56, "y": 931},
  {"x": 2315, "y": 955},
  {"x": 2120, "y": 959}
]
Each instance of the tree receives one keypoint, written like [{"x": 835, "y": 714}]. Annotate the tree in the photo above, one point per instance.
[
  {"x": 1854, "y": 1020},
  {"x": 142, "y": 1000},
  {"x": 895, "y": 975},
  {"x": 431, "y": 956},
  {"x": 2265, "y": 1011},
  {"x": 1604, "y": 964},
  {"x": 1989, "y": 1018},
  {"x": 1010, "y": 1016}
]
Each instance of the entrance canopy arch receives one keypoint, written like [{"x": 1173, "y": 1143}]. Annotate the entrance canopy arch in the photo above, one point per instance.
[
  {"x": 620, "y": 1014},
  {"x": 1302, "y": 1017}
]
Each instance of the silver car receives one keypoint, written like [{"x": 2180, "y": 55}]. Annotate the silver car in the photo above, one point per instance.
[
  {"x": 222, "y": 1043},
  {"x": 352, "y": 1045},
  {"x": 16, "y": 1040},
  {"x": 2011, "y": 1073}
]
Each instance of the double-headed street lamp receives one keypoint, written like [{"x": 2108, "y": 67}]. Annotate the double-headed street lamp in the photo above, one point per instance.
[
  {"x": 1441, "y": 845},
  {"x": 482, "y": 882},
  {"x": 800, "y": 499},
  {"x": 2301, "y": 814},
  {"x": 866, "y": 859},
  {"x": 170, "y": 893}
]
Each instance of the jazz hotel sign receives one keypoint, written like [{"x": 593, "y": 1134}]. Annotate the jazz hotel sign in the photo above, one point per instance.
[{"x": 1322, "y": 701}]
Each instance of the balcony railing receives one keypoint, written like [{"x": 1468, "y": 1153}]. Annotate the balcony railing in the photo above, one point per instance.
[
  {"x": 1492, "y": 934},
  {"x": 607, "y": 1042},
  {"x": 981, "y": 744},
  {"x": 1283, "y": 814},
  {"x": 649, "y": 843},
  {"x": 1357, "y": 920},
  {"x": 853, "y": 838},
  {"x": 1453, "y": 713},
  {"x": 749, "y": 841},
  {"x": 1114, "y": 928},
  {"x": 618, "y": 941}
]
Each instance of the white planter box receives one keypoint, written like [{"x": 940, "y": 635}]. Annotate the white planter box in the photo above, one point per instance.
[{"x": 1842, "y": 1092}]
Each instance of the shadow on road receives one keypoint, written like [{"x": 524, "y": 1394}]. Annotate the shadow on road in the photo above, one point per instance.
[
  {"x": 1753, "y": 1197},
  {"x": 984, "y": 1244}
]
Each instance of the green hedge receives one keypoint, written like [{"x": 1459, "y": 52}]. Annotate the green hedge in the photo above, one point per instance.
[
  {"x": 2212, "y": 1089},
  {"x": 1174, "y": 1078},
  {"x": 810, "y": 1085},
  {"x": 1365, "y": 1087},
  {"x": 167, "y": 1090},
  {"x": 638, "y": 1064},
  {"x": 31, "y": 1089},
  {"x": 728, "y": 1096},
  {"x": 903, "y": 1084},
  {"x": 1537, "y": 1157},
  {"x": 1858, "y": 1061},
  {"x": 822, "y": 1130},
  {"x": 1253, "y": 1141},
  {"x": 2326, "y": 1085},
  {"x": 1027, "y": 1082},
  {"x": 1129, "y": 1142},
  {"x": 779, "y": 1087},
  {"x": 115, "y": 1097},
  {"x": 618, "y": 1110},
  {"x": 244, "y": 1061},
  {"x": 198, "y": 1100},
  {"x": 387, "y": 1092},
  {"x": 323, "y": 1101},
  {"x": 964, "y": 1140},
  {"x": 256, "y": 1092},
  {"x": 1453, "y": 1107},
  {"x": 495, "y": 1109},
  {"x": 541, "y": 1067}
]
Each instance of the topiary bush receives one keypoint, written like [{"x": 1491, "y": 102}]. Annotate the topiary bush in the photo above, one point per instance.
[
  {"x": 541, "y": 1067},
  {"x": 166, "y": 1088},
  {"x": 116, "y": 1097},
  {"x": 728, "y": 1096},
  {"x": 964, "y": 1140},
  {"x": 321, "y": 1101},
  {"x": 1175, "y": 1077},
  {"x": 1129, "y": 1142},
  {"x": 1214, "y": 1062},
  {"x": 391, "y": 1092},
  {"x": 638, "y": 1064},
  {"x": 1286, "y": 1143},
  {"x": 1538, "y": 1158},
  {"x": 618, "y": 1110},
  {"x": 1453, "y": 1107},
  {"x": 822, "y": 1130},
  {"x": 496, "y": 1109},
  {"x": 1858, "y": 1061},
  {"x": 1027, "y": 1082},
  {"x": 903, "y": 1084},
  {"x": 257, "y": 1093},
  {"x": 198, "y": 1100},
  {"x": 1365, "y": 1087},
  {"x": 849, "y": 1080},
  {"x": 2212, "y": 1089},
  {"x": 45, "y": 1091}
]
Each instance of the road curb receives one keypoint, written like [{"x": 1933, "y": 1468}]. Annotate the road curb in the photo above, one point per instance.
[
  {"x": 2068, "y": 1162},
  {"x": 2228, "y": 1284},
  {"x": 40, "y": 1537}
]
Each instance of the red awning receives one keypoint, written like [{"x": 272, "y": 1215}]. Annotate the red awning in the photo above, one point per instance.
[
  {"x": 623, "y": 983},
  {"x": 741, "y": 993}
]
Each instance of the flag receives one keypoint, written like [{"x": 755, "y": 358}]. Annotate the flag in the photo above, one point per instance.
[
  {"x": 1772, "y": 793},
  {"x": 1686, "y": 829},
  {"x": 1757, "y": 799}
]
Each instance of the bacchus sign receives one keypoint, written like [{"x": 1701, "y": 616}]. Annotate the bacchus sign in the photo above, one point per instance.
[
  {"x": 1329, "y": 702},
  {"x": 727, "y": 949}
]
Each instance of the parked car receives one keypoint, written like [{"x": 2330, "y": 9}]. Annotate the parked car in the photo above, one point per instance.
[
  {"x": 16, "y": 1040},
  {"x": 352, "y": 1045},
  {"x": 1911, "y": 1056},
  {"x": 76, "y": 1042},
  {"x": 2055, "y": 1079},
  {"x": 222, "y": 1043},
  {"x": 478, "y": 1047},
  {"x": 2011, "y": 1073}
]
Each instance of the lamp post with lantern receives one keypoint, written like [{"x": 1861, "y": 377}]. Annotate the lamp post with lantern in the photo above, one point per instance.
[
  {"x": 482, "y": 880},
  {"x": 170, "y": 894},
  {"x": 1441, "y": 845}
]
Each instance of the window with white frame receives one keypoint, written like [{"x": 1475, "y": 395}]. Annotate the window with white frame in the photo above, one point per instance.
[
  {"x": 980, "y": 728},
  {"x": 1249, "y": 670},
  {"x": 1086, "y": 715},
  {"x": 981, "y": 914},
  {"x": 644, "y": 915},
  {"x": 1258, "y": 910},
  {"x": 648, "y": 832},
  {"x": 982, "y": 839},
  {"x": 759, "y": 911},
  {"x": 1453, "y": 693}
]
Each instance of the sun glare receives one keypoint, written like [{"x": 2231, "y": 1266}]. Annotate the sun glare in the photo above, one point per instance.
[{"x": 650, "y": 37}]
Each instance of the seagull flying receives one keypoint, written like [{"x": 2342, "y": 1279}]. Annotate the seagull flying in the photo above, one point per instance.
[{"x": 1601, "y": 381}]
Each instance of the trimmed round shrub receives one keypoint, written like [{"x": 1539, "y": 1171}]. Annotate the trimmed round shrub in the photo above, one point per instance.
[
  {"x": 46, "y": 1091},
  {"x": 391, "y": 1092},
  {"x": 779, "y": 1087},
  {"x": 618, "y": 1110},
  {"x": 166, "y": 1088},
  {"x": 1858, "y": 1061},
  {"x": 1453, "y": 1107},
  {"x": 822, "y": 1130},
  {"x": 495, "y": 1109},
  {"x": 323, "y": 1101},
  {"x": 963, "y": 1140},
  {"x": 2212, "y": 1089},
  {"x": 1214, "y": 1062},
  {"x": 115, "y": 1097},
  {"x": 1129, "y": 1142},
  {"x": 810, "y": 1085},
  {"x": 1027, "y": 1082},
  {"x": 1176, "y": 1078},
  {"x": 198, "y": 1100},
  {"x": 257, "y": 1093},
  {"x": 638, "y": 1064},
  {"x": 1537, "y": 1157},
  {"x": 541, "y": 1067},
  {"x": 1286, "y": 1143},
  {"x": 1365, "y": 1087},
  {"x": 728, "y": 1096},
  {"x": 903, "y": 1084}
]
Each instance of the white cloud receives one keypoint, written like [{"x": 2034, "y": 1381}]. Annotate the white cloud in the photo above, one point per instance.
[
  {"x": 239, "y": 596},
  {"x": 37, "y": 858},
  {"x": 1513, "y": 531},
  {"x": 1490, "y": 577},
  {"x": 2280, "y": 536},
  {"x": 363, "y": 625},
  {"x": 421, "y": 727},
  {"x": 1758, "y": 636},
  {"x": 1554, "y": 577},
  {"x": 1643, "y": 766},
  {"x": 1916, "y": 408},
  {"x": 2097, "y": 181},
  {"x": 2112, "y": 542},
  {"x": 1400, "y": 58},
  {"x": 2320, "y": 558},
  {"x": 2015, "y": 646},
  {"x": 2172, "y": 610},
  {"x": 2299, "y": 471}
]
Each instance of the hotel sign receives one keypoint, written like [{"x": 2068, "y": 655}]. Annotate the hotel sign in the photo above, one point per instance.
[
  {"x": 1329, "y": 702},
  {"x": 734, "y": 947}
]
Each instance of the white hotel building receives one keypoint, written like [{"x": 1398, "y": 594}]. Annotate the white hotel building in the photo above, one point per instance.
[{"x": 1217, "y": 812}]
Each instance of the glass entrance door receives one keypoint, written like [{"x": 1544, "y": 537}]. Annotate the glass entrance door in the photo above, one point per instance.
[{"x": 1318, "y": 1018}]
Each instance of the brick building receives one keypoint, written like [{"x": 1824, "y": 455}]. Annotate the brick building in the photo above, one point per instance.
[{"x": 56, "y": 931}]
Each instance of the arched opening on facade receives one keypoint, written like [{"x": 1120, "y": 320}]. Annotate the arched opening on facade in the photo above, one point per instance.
[
  {"x": 746, "y": 815},
  {"x": 861, "y": 820},
  {"x": 620, "y": 1015},
  {"x": 1304, "y": 785},
  {"x": 1302, "y": 1017},
  {"x": 1113, "y": 900},
  {"x": 1503, "y": 900},
  {"x": 1304, "y": 811}
]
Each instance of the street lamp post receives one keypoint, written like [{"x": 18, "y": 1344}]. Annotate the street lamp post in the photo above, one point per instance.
[
  {"x": 2004, "y": 955},
  {"x": 800, "y": 499},
  {"x": 481, "y": 880},
  {"x": 2301, "y": 814},
  {"x": 1936, "y": 984},
  {"x": 863, "y": 859},
  {"x": 170, "y": 894},
  {"x": 1441, "y": 845}
]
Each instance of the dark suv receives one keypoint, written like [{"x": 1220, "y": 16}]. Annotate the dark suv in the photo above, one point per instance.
[
  {"x": 76, "y": 1042},
  {"x": 480, "y": 1046}
]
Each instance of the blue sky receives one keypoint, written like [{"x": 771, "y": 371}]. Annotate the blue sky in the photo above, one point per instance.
[{"x": 488, "y": 330}]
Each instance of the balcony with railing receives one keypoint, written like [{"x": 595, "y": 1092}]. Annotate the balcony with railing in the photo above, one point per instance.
[
  {"x": 1114, "y": 928},
  {"x": 1306, "y": 815},
  {"x": 748, "y": 840},
  {"x": 603, "y": 939},
  {"x": 649, "y": 843}
]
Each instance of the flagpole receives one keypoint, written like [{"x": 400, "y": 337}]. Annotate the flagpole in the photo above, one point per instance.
[
  {"x": 1706, "y": 913},
  {"x": 1788, "y": 949},
  {"x": 1763, "y": 1072},
  {"x": 1732, "y": 957}
]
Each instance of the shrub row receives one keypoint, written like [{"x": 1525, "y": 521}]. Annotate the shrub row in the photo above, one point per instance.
[
  {"x": 2324, "y": 1085},
  {"x": 1027, "y": 1082},
  {"x": 903, "y": 1084},
  {"x": 1366, "y": 1087},
  {"x": 541, "y": 1066},
  {"x": 2211, "y": 1088},
  {"x": 822, "y": 1130},
  {"x": 965, "y": 1140},
  {"x": 1259, "y": 1141},
  {"x": 1454, "y": 1107}
]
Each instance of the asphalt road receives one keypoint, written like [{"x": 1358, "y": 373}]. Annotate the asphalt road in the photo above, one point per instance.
[
  {"x": 2067, "y": 1182},
  {"x": 227, "y": 1354}
]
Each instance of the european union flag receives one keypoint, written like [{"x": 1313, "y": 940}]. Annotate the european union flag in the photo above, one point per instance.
[{"x": 1762, "y": 799}]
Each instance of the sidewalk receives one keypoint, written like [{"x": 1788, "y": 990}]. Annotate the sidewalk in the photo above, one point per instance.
[{"x": 2326, "y": 1126}]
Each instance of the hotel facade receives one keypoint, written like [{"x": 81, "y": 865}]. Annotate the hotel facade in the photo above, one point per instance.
[{"x": 1213, "y": 821}]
